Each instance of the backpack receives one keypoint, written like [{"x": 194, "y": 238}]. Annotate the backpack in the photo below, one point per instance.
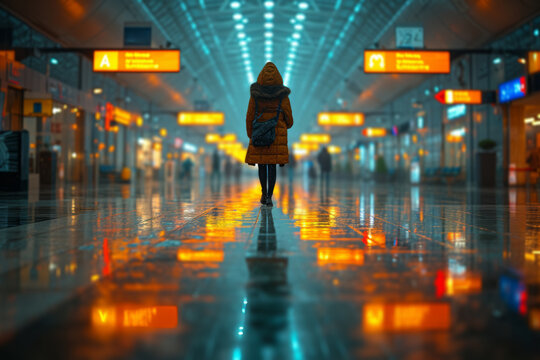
[{"x": 264, "y": 133}]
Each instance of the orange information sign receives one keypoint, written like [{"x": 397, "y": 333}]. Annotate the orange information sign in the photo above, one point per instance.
[
  {"x": 406, "y": 61},
  {"x": 447, "y": 96},
  {"x": 137, "y": 60},
  {"x": 201, "y": 118},
  {"x": 374, "y": 132},
  {"x": 534, "y": 62},
  {"x": 340, "y": 119}
]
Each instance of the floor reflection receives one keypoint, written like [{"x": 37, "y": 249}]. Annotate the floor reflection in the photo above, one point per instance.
[
  {"x": 201, "y": 270},
  {"x": 268, "y": 294}
]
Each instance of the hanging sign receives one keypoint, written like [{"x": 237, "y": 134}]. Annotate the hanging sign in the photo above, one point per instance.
[
  {"x": 406, "y": 62},
  {"x": 459, "y": 97},
  {"x": 137, "y": 60}
]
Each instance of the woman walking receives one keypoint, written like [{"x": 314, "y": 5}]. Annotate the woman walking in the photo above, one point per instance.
[{"x": 269, "y": 115}]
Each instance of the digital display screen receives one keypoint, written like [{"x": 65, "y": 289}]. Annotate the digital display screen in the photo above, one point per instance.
[{"x": 513, "y": 89}]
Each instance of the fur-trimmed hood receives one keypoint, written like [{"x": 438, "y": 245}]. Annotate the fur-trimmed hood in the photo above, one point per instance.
[
  {"x": 268, "y": 92},
  {"x": 269, "y": 83}
]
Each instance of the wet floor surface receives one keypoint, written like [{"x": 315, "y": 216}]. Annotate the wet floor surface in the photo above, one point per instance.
[{"x": 202, "y": 271}]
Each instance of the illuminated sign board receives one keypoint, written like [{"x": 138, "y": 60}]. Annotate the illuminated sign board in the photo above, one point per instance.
[
  {"x": 136, "y": 60},
  {"x": 512, "y": 90},
  {"x": 408, "y": 62},
  {"x": 200, "y": 118},
  {"x": 340, "y": 119},
  {"x": 216, "y": 138},
  {"x": 38, "y": 107},
  {"x": 129, "y": 316},
  {"x": 406, "y": 317},
  {"x": 534, "y": 62},
  {"x": 459, "y": 97},
  {"x": 332, "y": 149},
  {"x": 456, "y": 111},
  {"x": 374, "y": 132},
  {"x": 315, "y": 138}
]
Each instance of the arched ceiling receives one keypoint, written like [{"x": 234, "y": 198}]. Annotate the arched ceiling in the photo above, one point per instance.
[{"x": 316, "y": 44}]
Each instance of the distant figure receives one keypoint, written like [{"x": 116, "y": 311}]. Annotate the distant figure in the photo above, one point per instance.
[
  {"x": 227, "y": 169},
  {"x": 292, "y": 166},
  {"x": 216, "y": 166},
  {"x": 325, "y": 164},
  {"x": 238, "y": 171},
  {"x": 187, "y": 165},
  {"x": 533, "y": 159},
  {"x": 269, "y": 115}
]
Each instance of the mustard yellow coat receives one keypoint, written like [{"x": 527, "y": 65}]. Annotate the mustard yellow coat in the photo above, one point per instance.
[{"x": 268, "y": 90}]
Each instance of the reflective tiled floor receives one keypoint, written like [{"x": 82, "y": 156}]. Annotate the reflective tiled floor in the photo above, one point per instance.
[{"x": 202, "y": 271}]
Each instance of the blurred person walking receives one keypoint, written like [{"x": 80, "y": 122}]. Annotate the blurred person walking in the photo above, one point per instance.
[
  {"x": 216, "y": 167},
  {"x": 269, "y": 115},
  {"x": 325, "y": 164}
]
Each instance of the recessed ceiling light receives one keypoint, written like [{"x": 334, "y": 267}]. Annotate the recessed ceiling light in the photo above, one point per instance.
[
  {"x": 298, "y": 27},
  {"x": 268, "y": 42},
  {"x": 235, "y": 4},
  {"x": 296, "y": 36},
  {"x": 243, "y": 43},
  {"x": 239, "y": 26},
  {"x": 268, "y": 34},
  {"x": 268, "y": 4},
  {"x": 268, "y": 25},
  {"x": 237, "y": 16},
  {"x": 245, "y": 55},
  {"x": 294, "y": 43},
  {"x": 301, "y": 17},
  {"x": 268, "y": 16},
  {"x": 303, "y": 5},
  {"x": 241, "y": 35}
]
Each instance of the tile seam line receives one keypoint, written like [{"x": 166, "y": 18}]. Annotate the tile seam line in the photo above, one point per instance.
[{"x": 388, "y": 222}]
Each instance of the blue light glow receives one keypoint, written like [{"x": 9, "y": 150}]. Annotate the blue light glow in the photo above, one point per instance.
[{"x": 456, "y": 111}]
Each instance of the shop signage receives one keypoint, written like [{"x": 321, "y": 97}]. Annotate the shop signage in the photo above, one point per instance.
[
  {"x": 406, "y": 62},
  {"x": 216, "y": 138},
  {"x": 38, "y": 107},
  {"x": 456, "y": 111},
  {"x": 374, "y": 132},
  {"x": 340, "y": 119},
  {"x": 200, "y": 118},
  {"x": 459, "y": 97},
  {"x": 513, "y": 89},
  {"x": 137, "y": 60},
  {"x": 534, "y": 62},
  {"x": 315, "y": 138}
]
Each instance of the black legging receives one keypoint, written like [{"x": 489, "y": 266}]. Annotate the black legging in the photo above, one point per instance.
[{"x": 267, "y": 177}]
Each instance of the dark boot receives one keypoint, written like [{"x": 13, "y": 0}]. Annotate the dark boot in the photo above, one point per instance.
[
  {"x": 263, "y": 198},
  {"x": 269, "y": 201}
]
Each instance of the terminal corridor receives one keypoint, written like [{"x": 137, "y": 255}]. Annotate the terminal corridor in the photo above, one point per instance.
[
  {"x": 269, "y": 179},
  {"x": 203, "y": 271}
]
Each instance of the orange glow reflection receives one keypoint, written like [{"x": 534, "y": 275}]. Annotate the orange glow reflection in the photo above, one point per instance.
[
  {"x": 201, "y": 255},
  {"x": 374, "y": 238},
  {"x": 129, "y": 316},
  {"x": 340, "y": 256},
  {"x": 467, "y": 284},
  {"x": 406, "y": 317}
]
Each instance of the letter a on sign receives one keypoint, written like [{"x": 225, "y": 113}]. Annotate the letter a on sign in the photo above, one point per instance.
[{"x": 105, "y": 60}]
